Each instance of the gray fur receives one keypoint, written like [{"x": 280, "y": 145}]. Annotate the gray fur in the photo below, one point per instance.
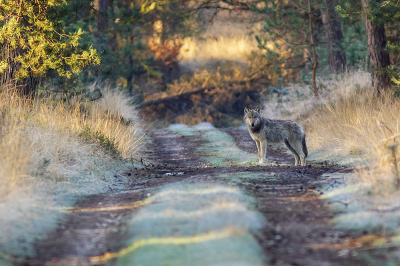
[{"x": 263, "y": 130}]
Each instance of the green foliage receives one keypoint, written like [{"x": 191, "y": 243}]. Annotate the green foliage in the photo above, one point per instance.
[
  {"x": 33, "y": 37},
  {"x": 287, "y": 26},
  {"x": 384, "y": 12},
  {"x": 287, "y": 42},
  {"x": 127, "y": 54},
  {"x": 355, "y": 42},
  {"x": 127, "y": 58},
  {"x": 64, "y": 89},
  {"x": 348, "y": 11}
]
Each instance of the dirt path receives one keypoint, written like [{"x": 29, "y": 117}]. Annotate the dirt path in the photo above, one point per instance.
[
  {"x": 297, "y": 219},
  {"x": 295, "y": 223}
]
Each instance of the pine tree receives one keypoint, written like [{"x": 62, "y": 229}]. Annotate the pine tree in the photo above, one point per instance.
[
  {"x": 379, "y": 57},
  {"x": 380, "y": 17},
  {"x": 295, "y": 25},
  {"x": 33, "y": 41}
]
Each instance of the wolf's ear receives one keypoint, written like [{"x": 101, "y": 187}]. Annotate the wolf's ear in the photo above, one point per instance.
[
  {"x": 246, "y": 110},
  {"x": 257, "y": 109}
]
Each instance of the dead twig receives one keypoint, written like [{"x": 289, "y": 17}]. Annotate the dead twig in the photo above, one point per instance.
[{"x": 385, "y": 210}]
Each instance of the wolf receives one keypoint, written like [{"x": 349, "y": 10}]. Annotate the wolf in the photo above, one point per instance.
[{"x": 262, "y": 130}]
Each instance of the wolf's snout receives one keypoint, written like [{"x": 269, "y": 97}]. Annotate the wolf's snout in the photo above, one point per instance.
[{"x": 252, "y": 124}]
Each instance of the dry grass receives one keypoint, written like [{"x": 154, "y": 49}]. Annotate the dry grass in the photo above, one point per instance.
[
  {"x": 221, "y": 48},
  {"x": 42, "y": 138},
  {"x": 365, "y": 126},
  {"x": 348, "y": 121},
  {"x": 224, "y": 40}
]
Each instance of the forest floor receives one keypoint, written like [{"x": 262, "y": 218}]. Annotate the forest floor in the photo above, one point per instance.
[{"x": 200, "y": 198}]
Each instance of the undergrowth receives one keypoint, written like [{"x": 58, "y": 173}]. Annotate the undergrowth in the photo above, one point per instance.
[{"x": 220, "y": 100}]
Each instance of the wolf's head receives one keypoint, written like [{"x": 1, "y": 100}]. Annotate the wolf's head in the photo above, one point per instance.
[{"x": 252, "y": 117}]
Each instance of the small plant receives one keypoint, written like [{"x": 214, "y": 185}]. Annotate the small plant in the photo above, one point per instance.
[
  {"x": 42, "y": 167},
  {"x": 108, "y": 144}
]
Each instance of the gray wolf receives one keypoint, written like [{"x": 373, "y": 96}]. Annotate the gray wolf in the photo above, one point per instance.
[{"x": 262, "y": 130}]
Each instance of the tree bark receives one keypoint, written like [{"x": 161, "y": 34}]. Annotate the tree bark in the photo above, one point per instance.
[
  {"x": 8, "y": 80},
  {"x": 333, "y": 32},
  {"x": 100, "y": 7},
  {"x": 378, "y": 58},
  {"x": 314, "y": 52}
]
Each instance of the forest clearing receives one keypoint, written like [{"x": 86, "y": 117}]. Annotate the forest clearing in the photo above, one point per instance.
[{"x": 122, "y": 140}]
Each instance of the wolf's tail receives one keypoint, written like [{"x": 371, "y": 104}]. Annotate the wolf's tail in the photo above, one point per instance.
[{"x": 303, "y": 142}]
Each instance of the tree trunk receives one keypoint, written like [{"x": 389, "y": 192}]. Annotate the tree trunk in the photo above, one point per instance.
[
  {"x": 101, "y": 19},
  {"x": 131, "y": 70},
  {"x": 378, "y": 58},
  {"x": 336, "y": 54},
  {"x": 314, "y": 52},
  {"x": 8, "y": 80}
]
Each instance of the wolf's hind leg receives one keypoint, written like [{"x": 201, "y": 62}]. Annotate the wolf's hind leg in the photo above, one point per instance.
[
  {"x": 303, "y": 161},
  {"x": 299, "y": 149},
  {"x": 304, "y": 149},
  {"x": 296, "y": 155}
]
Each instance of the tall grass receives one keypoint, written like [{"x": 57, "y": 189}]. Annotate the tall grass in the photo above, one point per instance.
[
  {"x": 50, "y": 139},
  {"x": 348, "y": 121},
  {"x": 366, "y": 126},
  {"x": 14, "y": 151}
]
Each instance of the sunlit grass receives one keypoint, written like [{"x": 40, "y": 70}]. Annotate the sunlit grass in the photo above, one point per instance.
[{"x": 221, "y": 48}]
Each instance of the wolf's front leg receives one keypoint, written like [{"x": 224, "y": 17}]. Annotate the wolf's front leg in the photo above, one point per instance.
[
  {"x": 262, "y": 152},
  {"x": 258, "y": 150},
  {"x": 264, "y": 155}
]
